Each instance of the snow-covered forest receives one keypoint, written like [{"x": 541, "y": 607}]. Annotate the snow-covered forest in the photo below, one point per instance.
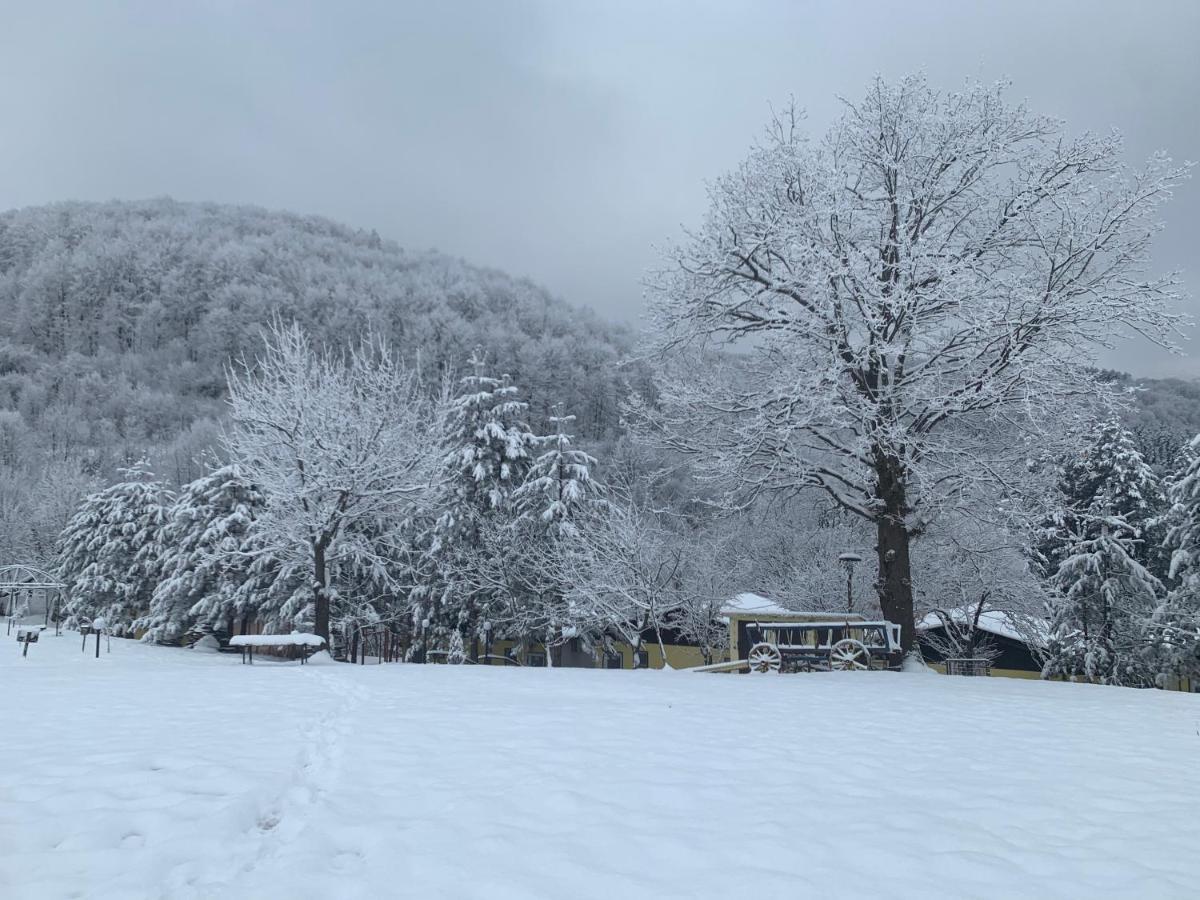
[
  {"x": 119, "y": 320},
  {"x": 881, "y": 341},
  {"x": 563, "y": 450}
]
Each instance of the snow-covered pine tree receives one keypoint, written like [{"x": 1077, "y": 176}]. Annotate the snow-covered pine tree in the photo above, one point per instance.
[
  {"x": 110, "y": 550},
  {"x": 457, "y": 654},
  {"x": 523, "y": 559},
  {"x": 490, "y": 448},
  {"x": 1105, "y": 599},
  {"x": 1098, "y": 558},
  {"x": 276, "y": 591},
  {"x": 1109, "y": 477},
  {"x": 559, "y": 482},
  {"x": 489, "y": 451},
  {"x": 1175, "y": 627},
  {"x": 204, "y": 559}
]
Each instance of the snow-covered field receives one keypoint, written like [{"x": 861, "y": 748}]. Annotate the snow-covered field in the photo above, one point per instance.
[{"x": 166, "y": 773}]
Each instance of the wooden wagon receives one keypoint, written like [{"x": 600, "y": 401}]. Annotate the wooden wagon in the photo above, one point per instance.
[{"x": 845, "y": 645}]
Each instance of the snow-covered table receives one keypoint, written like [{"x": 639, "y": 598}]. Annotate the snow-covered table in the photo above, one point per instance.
[{"x": 308, "y": 644}]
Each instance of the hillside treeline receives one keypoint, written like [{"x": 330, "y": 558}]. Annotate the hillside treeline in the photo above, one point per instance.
[{"x": 118, "y": 320}]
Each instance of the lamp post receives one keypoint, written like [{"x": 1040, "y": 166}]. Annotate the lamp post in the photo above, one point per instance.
[{"x": 849, "y": 560}]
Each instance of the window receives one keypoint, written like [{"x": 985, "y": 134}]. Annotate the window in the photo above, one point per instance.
[
  {"x": 642, "y": 660},
  {"x": 535, "y": 659},
  {"x": 614, "y": 661}
]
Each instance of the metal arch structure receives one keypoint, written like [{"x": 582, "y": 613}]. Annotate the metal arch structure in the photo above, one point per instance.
[{"x": 29, "y": 583}]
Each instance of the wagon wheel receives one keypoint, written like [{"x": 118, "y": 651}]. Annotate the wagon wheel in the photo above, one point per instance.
[
  {"x": 849, "y": 655},
  {"x": 764, "y": 658}
]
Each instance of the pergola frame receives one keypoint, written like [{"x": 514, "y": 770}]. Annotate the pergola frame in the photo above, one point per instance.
[{"x": 18, "y": 579}]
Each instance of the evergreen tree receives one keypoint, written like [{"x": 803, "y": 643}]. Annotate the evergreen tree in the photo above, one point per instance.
[
  {"x": 1175, "y": 627},
  {"x": 490, "y": 449},
  {"x": 205, "y": 559},
  {"x": 110, "y": 551},
  {"x": 457, "y": 654},
  {"x": 489, "y": 452},
  {"x": 1099, "y": 552},
  {"x": 1109, "y": 477},
  {"x": 559, "y": 482},
  {"x": 276, "y": 592},
  {"x": 1105, "y": 599},
  {"x": 522, "y": 555}
]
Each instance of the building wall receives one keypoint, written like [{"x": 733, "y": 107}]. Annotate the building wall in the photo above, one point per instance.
[
  {"x": 996, "y": 672},
  {"x": 1014, "y": 655},
  {"x": 678, "y": 656}
]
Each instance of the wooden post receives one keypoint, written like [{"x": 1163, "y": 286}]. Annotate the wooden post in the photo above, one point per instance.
[{"x": 97, "y": 645}]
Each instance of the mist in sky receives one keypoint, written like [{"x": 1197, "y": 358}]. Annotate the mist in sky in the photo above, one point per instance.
[{"x": 557, "y": 140}]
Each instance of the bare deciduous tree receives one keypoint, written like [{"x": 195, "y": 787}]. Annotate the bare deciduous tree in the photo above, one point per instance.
[
  {"x": 910, "y": 295},
  {"x": 341, "y": 446}
]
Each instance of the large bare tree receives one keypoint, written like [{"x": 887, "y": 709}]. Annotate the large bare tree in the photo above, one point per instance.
[
  {"x": 343, "y": 446},
  {"x": 909, "y": 297}
]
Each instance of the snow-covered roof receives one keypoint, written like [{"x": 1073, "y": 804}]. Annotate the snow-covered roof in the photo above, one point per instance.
[
  {"x": 993, "y": 621},
  {"x": 750, "y": 604}
]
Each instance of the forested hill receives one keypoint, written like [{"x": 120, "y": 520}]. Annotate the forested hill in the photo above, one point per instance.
[
  {"x": 118, "y": 319},
  {"x": 1163, "y": 416}
]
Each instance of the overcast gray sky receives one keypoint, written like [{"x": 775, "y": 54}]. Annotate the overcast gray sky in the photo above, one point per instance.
[{"x": 556, "y": 140}]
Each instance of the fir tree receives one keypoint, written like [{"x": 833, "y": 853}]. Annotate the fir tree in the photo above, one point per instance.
[
  {"x": 457, "y": 654},
  {"x": 205, "y": 559},
  {"x": 1105, "y": 599},
  {"x": 1175, "y": 628},
  {"x": 276, "y": 592},
  {"x": 1099, "y": 552},
  {"x": 559, "y": 483},
  {"x": 489, "y": 451},
  {"x": 110, "y": 551},
  {"x": 1109, "y": 477}
]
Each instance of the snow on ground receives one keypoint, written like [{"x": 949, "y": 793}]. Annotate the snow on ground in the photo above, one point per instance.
[{"x": 154, "y": 772}]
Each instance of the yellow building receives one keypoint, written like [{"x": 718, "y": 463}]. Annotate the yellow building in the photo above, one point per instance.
[{"x": 611, "y": 654}]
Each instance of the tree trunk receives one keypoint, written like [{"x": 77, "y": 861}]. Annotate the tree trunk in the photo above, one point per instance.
[
  {"x": 320, "y": 596},
  {"x": 661, "y": 649},
  {"x": 894, "y": 582}
]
